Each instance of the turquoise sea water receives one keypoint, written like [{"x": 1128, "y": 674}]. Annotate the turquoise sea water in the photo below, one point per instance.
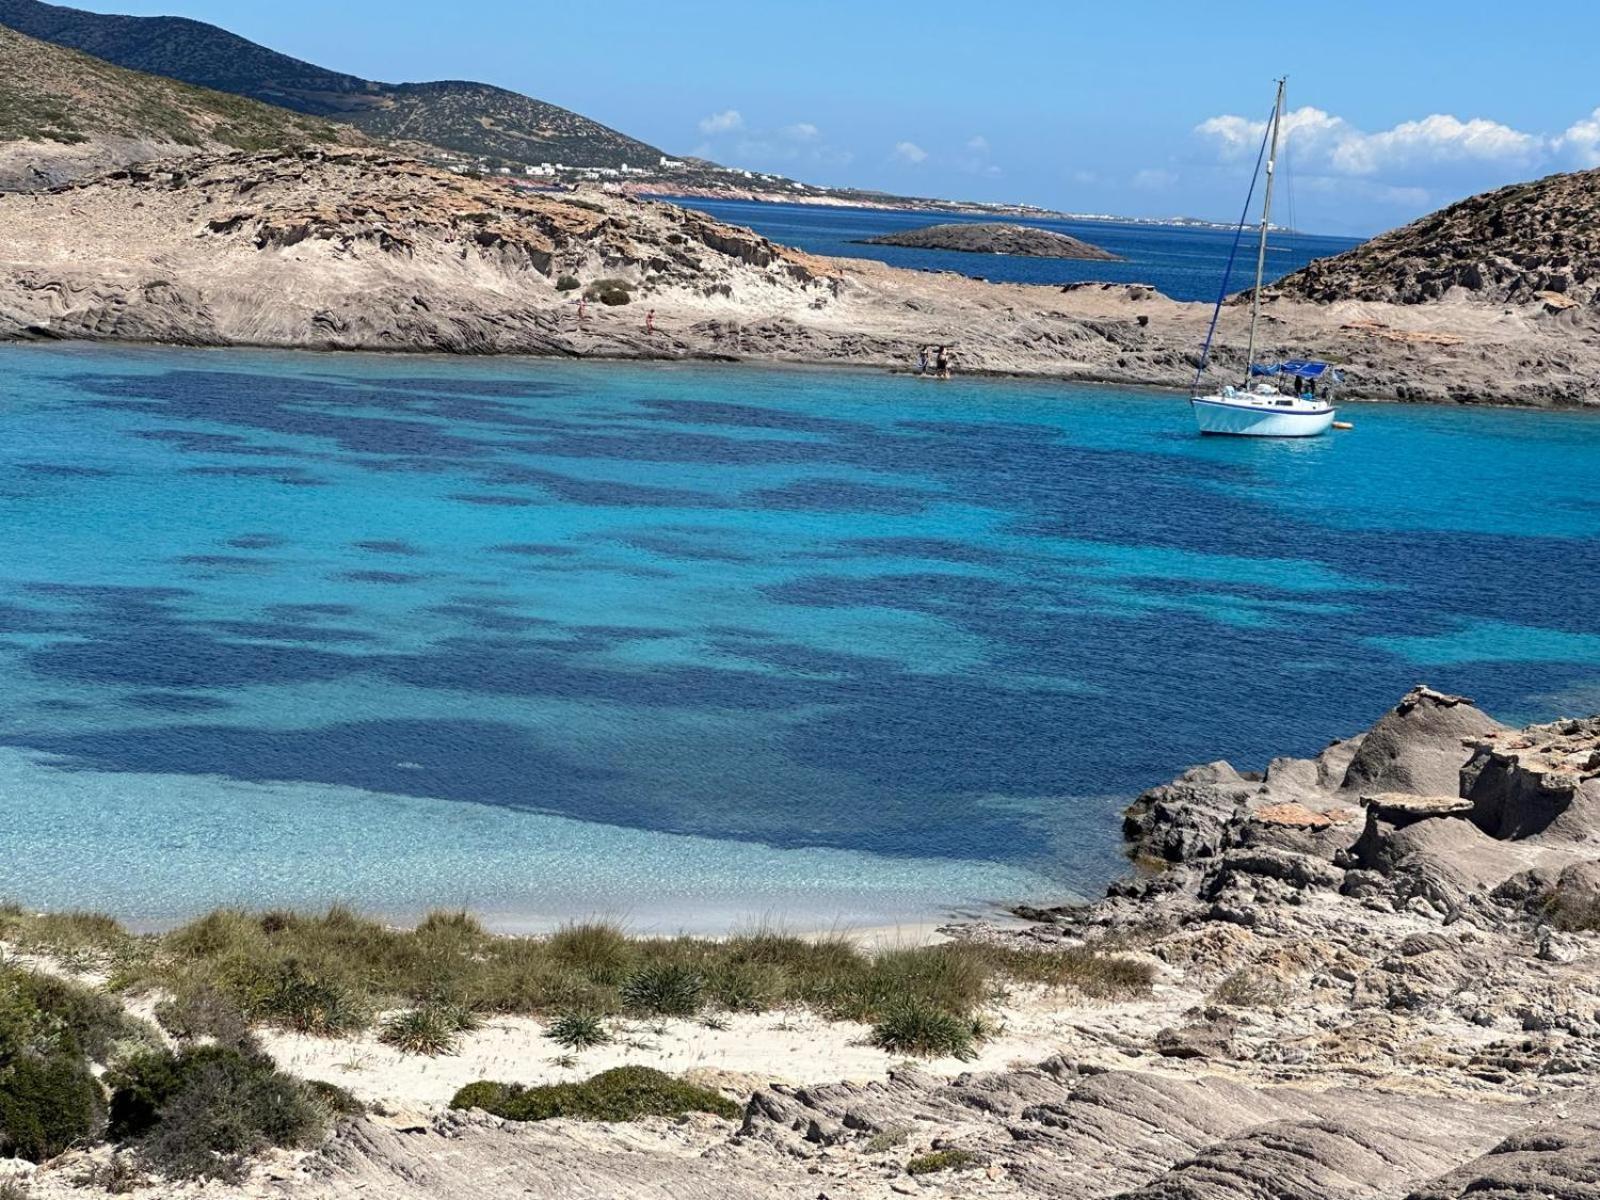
[{"x": 691, "y": 645}]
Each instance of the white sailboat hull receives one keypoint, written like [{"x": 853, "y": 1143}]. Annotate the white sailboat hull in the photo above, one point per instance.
[{"x": 1251, "y": 416}]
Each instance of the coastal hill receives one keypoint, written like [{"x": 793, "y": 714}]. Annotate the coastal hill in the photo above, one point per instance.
[
  {"x": 994, "y": 237},
  {"x": 63, "y": 113},
  {"x": 366, "y": 249},
  {"x": 1530, "y": 242},
  {"x": 471, "y": 119}
]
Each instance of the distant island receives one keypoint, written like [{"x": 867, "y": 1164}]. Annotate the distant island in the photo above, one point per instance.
[{"x": 993, "y": 237}]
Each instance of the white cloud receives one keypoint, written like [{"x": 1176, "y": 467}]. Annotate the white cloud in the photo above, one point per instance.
[
  {"x": 726, "y": 121},
  {"x": 1434, "y": 139},
  {"x": 1581, "y": 141},
  {"x": 978, "y": 144},
  {"x": 1322, "y": 141},
  {"x": 802, "y": 131},
  {"x": 909, "y": 152}
]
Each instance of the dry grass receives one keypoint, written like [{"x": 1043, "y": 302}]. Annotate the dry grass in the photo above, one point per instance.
[{"x": 330, "y": 973}]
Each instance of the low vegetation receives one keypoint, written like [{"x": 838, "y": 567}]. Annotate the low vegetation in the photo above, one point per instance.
[
  {"x": 331, "y": 974},
  {"x": 887, "y": 1139},
  {"x": 50, "y": 93},
  {"x": 1573, "y": 911},
  {"x": 918, "y": 1028},
  {"x": 578, "y": 1030},
  {"x": 429, "y": 1031},
  {"x": 943, "y": 1160},
  {"x": 76, "y": 1069},
  {"x": 621, "y": 1094},
  {"x": 1250, "y": 989},
  {"x": 610, "y": 291},
  {"x": 205, "y": 1111}
]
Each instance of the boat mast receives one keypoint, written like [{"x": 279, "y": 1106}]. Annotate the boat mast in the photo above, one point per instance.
[{"x": 1266, "y": 219}]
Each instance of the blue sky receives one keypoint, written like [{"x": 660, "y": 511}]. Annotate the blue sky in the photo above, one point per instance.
[{"x": 1136, "y": 108}]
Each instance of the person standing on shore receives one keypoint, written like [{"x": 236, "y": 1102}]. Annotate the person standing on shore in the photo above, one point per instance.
[
  {"x": 922, "y": 361},
  {"x": 582, "y": 308},
  {"x": 942, "y": 362},
  {"x": 650, "y": 321}
]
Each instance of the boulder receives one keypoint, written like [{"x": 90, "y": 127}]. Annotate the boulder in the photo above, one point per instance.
[{"x": 1418, "y": 746}]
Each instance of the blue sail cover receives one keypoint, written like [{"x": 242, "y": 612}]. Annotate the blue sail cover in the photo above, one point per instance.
[{"x": 1300, "y": 368}]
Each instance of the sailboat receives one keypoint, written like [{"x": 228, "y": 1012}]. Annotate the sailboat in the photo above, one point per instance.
[{"x": 1278, "y": 399}]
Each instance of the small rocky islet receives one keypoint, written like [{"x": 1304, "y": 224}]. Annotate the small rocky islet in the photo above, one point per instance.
[{"x": 994, "y": 237}]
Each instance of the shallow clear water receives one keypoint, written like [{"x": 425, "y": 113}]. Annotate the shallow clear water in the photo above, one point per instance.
[
  {"x": 696, "y": 644},
  {"x": 1184, "y": 262}
]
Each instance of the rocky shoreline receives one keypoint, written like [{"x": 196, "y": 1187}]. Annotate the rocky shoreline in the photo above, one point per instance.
[
  {"x": 351, "y": 249},
  {"x": 1377, "y": 974}
]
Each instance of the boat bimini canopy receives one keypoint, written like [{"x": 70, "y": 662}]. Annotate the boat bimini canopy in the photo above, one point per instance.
[{"x": 1300, "y": 368}]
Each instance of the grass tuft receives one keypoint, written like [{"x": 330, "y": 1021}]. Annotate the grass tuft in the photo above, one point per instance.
[
  {"x": 924, "y": 1030},
  {"x": 665, "y": 990},
  {"x": 578, "y": 1030},
  {"x": 429, "y": 1032}
]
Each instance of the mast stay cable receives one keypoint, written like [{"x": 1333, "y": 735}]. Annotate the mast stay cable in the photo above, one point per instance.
[{"x": 1233, "y": 253}]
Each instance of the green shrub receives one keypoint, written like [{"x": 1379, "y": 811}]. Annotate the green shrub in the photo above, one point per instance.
[
  {"x": 665, "y": 990},
  {"x": 621, "y": 1094},
  {"x": 887, "y": 1139},
  {"x": 336, "y": 1101},
  {"x": 484, "y": 1094},
  {"x": 610, "y": 291},
  {"x": 429, "y": 1031},
  {"x": 567, "y": 283},
  {"x": 1573, "y": 911},
  {"x": 203, "y": 1012},
  {"x": 44, "y": 1013},
  {"x": 943, "y": 1160},
  {"x": 203, "y": 1112},
  {"x": 47, "y": 1105},
  {"x": 578, "y": 1031},
  {"x": 919, "y": 1028}
]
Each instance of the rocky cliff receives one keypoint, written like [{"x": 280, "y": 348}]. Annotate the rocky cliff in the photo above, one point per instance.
[{"x": 1529, "y": 243}]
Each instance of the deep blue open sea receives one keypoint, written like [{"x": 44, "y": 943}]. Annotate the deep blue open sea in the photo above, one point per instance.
[
  {"x": 694, "y": 644},
  {"x": 1184, "y": 262}
]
